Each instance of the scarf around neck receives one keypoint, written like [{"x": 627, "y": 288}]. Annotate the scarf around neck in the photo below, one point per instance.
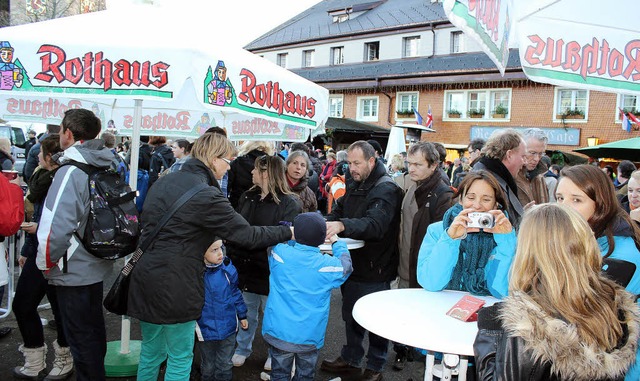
[
  {"x": 474, "y": 253},
  {"x": 497, "y": 167}
]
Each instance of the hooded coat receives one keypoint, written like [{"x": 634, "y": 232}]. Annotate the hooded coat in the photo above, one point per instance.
[
  {"x": 518, "y": 341},
  {"x": 65, "y": 212}
]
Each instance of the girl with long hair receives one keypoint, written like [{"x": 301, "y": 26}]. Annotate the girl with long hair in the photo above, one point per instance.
[
  {"x": 269, "y": 202},
  {"x": 454, "y": 256},
  {"x": 589, "y": 191},
  {"x": 562, "y": 320}
]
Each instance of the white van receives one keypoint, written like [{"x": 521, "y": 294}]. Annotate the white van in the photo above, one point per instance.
[{"x": 17, "y": 138}]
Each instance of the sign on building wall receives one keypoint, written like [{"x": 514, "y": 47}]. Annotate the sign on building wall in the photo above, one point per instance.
[
  {"x": 557, "y": 136},
  {"x": 36, "y": 7}
]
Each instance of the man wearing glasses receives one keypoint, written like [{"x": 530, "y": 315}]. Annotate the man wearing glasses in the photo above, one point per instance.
[{"x": 532, "y": 189}]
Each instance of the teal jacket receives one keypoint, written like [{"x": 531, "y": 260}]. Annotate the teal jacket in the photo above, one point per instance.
[{"x": 439, "y": 254}]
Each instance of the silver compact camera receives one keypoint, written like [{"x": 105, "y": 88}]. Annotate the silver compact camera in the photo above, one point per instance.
[{"x": 481, "y": 220}]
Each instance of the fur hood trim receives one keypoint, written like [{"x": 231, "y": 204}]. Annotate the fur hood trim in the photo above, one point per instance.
[{"x": 555, "y": 341}]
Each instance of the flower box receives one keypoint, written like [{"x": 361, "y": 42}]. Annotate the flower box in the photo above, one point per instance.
[{"x": 498, "y": 116}]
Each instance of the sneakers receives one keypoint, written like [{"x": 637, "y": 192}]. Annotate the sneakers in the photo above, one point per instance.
[
  {"x": 267, "y": 364},
  {"x": 238, "y": 360}
]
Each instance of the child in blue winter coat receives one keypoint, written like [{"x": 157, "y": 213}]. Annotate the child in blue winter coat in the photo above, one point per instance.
[
  {"x": 223, "y": 307},
  {"x": 300, "y": 284}
]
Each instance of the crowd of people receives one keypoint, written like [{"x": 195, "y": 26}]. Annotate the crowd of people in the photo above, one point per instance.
[{"x": 249, "y": 242}]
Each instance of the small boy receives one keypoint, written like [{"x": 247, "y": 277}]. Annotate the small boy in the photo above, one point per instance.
[
  {"x": 223, "y": 307},
  {"x": 300, "y": 284}
]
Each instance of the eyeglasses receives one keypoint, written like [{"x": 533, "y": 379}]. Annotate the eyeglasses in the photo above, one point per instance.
[
  {"x": 263, "y": 161},
  {"x": 226, "y": 160}
]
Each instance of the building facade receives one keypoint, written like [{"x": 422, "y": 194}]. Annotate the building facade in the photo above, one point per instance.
[{"x": 382, "y": 59}]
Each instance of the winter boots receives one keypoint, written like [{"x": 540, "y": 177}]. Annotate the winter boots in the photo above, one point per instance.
[
  {"x": 62, "y": 364},
  {"x": 34, "y": 363}
]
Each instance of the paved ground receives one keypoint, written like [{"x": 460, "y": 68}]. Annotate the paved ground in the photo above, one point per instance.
[{"x": 10, "y": 357}]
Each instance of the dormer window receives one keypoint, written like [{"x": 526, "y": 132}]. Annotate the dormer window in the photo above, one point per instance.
[{"x": 349, "y": 13}]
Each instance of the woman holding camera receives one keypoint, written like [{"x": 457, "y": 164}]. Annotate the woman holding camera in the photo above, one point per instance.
[{"x": 471, "y": 249}]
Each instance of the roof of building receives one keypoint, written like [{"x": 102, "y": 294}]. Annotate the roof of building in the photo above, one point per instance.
[
  {"x": 350, "y": 125},
  {"x": 316, "y": 23},
  {"x": 398, "y": 70}
]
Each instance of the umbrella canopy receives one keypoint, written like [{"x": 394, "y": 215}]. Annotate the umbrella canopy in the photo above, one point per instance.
[
  {"x": 628, "y": 149},
  {"x": 186, "y": 81},
  {"x": 561, "y": 42}
]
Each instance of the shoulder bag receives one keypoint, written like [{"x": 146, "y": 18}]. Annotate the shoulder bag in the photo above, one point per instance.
[{"x": 117, "y": 298}]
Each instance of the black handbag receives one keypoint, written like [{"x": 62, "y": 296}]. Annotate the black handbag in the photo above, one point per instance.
[{"x": 117, "y": 298}]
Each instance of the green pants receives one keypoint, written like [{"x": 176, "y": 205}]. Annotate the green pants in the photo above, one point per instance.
[{"x": 173, "y": 342}]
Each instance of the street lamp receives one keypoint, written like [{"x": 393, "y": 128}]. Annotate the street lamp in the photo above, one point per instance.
[{"x": 592, "y": 141}]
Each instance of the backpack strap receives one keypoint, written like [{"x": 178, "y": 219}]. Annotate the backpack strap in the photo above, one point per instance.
[{"x": 164, "y": 161}]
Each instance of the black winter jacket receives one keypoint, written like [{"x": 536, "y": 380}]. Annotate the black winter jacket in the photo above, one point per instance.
[
  {"x": 167, "y": 284},
  {"x": 371, "y": 212},
  {"x": 253, "y": 265},
  {"x": 157, "y": 164},
  {"x": 240, "y": 179},
  {"x": 518, "y": 341}
]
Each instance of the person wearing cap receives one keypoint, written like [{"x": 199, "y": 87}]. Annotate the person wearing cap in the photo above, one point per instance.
[
  {"x": 8, "y": 68},
  {"x": 378, "y": 148},
  {"x": 31, "y": 141},
  {"x": 218, "y": 89},
  {"x": 295, "y": 329}
]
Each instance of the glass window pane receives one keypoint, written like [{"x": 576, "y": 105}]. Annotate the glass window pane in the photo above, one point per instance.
[{"x": 455, "y": 101}]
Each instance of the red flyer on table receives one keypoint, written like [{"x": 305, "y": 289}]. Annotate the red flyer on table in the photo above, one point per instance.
[{"x": 466, "y": 308}]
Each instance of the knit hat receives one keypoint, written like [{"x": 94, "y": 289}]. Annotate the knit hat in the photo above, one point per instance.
[{"x": 310, "y": 229}]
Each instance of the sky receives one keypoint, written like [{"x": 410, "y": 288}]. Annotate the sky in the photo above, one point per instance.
[{"x": 244, "y": 20}]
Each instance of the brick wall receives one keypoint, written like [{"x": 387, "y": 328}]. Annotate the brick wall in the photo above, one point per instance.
[{"x": 531, "y": 106}]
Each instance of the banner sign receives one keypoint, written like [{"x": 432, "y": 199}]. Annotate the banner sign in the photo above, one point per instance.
[{"x": 557, "y": 136}]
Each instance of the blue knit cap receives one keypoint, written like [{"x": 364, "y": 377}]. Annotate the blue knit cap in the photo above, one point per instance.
[{"x": 310, "y": 229}]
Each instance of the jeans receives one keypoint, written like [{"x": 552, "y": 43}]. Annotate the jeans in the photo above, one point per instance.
[
  {"x": 173, "y": 342},
  {"x": 282, "y": 362},
  {"x": 216, "y": 356},
  {"x": 353, "y": 352},
  {"x": 83, "y": 321},
  {"x": 31, "y": 288},
  {"x": 254, "y": 303}
]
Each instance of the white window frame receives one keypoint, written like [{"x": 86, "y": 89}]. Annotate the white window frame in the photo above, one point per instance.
[
  {"x": 489, "y": 105},
  {"x": 279, "y": 59},
  {"x": 556, "y": 104},
  {"x": 369, "y": 48},
  {"x": 407, "y": 46},
  {"x": 308, "y": 57},
  {"x": 340, "y": 50},
  {"x": 360, "y": 109},
  {"x": 400, "y": 95},
  {"x": 456, "y": 35},
  {"x": 339, "y": 99},
  {"x": 620, "y": 105}
]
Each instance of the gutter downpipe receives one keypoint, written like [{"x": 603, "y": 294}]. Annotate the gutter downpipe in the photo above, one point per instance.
[
  {"x": 389, "y": 97},
  {"x": 433, "y": 43}
]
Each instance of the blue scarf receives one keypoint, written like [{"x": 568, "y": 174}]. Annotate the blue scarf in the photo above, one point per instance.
[{"x": 468, "y": 274}]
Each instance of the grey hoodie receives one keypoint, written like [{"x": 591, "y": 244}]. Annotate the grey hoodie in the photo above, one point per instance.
[{"x": 65, "y": 211}]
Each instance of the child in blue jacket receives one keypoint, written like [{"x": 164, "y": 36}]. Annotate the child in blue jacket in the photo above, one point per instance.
[
  {"x": 300, "y": 284},
  {"x": 223, "y": 307}
]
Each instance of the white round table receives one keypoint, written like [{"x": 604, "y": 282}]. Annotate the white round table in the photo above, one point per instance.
[
  {"x": 351, "y": 244},
  {"x": 417, "y": 317}
]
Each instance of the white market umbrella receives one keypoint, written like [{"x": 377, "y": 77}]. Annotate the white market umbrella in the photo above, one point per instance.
[
  {"x": 561, "y": 42},
  {"x": 154, "y": 72}
]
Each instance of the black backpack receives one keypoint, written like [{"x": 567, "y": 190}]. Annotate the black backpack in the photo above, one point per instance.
[{"x": 113, "y": 227}]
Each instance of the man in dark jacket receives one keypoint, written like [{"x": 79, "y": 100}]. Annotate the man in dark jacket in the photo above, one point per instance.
[
  {"x": 504, "y": 156},
  {"x": 30, "y": 142},
  {"x": 425, "y": 202},
  {"x": 369, "y": 211}
]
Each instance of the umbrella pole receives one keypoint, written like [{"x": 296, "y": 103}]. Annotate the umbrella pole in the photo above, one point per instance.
[{"x": 123, "y": 356}]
